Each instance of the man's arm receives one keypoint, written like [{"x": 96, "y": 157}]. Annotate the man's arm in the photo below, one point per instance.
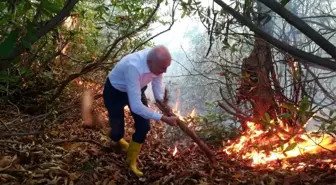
[
  {"x": 157, "y": 87},
  {"x": 134, "y": 95}
]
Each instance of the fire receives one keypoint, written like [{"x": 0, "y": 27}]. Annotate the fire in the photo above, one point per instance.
[
  {"x": 175, "y": 151},
  {"x": 126, "y": 108},
  {"x": 176, "y": 108},
  {"x": 193, "y": 113},
  {"x": 176, "y": 111},
  {"x": 256, "y": 145},
  {"x": 262, "y": 147}
]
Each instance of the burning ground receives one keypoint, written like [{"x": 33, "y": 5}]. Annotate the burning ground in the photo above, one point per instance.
[{"x": 57, "y": 149}]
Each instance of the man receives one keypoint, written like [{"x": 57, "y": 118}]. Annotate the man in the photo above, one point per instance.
[{"x": 125, "y": 85}]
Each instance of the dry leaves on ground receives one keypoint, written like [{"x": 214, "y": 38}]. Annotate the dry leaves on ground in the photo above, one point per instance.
[{"x": 59, "y": 150}]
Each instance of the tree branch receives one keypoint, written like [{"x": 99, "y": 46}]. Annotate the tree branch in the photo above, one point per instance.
[
  {"x": 57, "y": 19},
  {"x": 307, "y": 57},
  {"x": 170, "y": 26},
  {"x": 94, "y": 64},
  {"x": 41, "y": 32},
  {"x": 302, "y": 26},
  {"x": 211, "y": 33},
  {"x": 318, "y": 83},
  {"x": 115, "y": 43}
]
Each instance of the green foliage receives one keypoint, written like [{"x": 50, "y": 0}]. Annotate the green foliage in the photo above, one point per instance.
[
  {"x": 19, "y": 21},
  {"x": 213, "y": 124},
  {"x": 82, "y": 38},
  {"x": 222, "y": 30},
  {"x": 284, "y": 115},
  {"x": 302, "y": 113},
  {"x": 4, "y": 77},
  {"x": 304, "y": 104},
  {"x": 290, "y": 147},
  {"x": 284, "y": 2},
  {"x": 328, "y": 121},
  {"x": 50, "y": 7},
  {"x": 8, "y": 44}
]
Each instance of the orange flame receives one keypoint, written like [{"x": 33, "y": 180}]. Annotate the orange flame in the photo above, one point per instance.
[
  {"x": 177, "y": 112},
  {"x": 175, "y": 151},
  {"x": 193, "y": 113},
  {"x": 255, "y": 145},
  {"x": 126, "y": 108}
]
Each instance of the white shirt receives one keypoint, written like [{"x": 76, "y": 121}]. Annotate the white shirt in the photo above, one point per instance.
[{"x": 130, "y": 75}]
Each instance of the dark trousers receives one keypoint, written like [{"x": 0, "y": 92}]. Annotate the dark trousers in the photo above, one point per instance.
[{"x": 115, "y": 101}]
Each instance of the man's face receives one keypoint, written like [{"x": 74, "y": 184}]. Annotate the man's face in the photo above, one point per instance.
[{"x": 159, "y": 67}]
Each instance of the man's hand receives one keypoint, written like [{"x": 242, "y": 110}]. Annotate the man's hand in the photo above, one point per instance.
[{"x": 171, "y": 120}]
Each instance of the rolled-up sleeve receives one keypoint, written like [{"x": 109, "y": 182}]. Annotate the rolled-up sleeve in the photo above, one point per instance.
[
  {"x": 134, "y": 95},
  {"x": 157, "y": 87}
]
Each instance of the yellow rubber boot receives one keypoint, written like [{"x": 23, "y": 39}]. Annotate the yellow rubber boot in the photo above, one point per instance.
[
  {"x": 132, "y": 154},
  {"x": 123, "y": 144}
]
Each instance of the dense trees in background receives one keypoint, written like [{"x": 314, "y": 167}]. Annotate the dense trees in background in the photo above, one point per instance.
[
  {"x": 47, "y": 44},
  {"x": 264, "y": 60}
]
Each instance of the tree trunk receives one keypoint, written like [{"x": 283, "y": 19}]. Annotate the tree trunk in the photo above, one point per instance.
[{"x": 256, "y": 81}]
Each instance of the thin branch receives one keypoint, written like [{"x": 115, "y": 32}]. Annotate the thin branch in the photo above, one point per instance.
[
  {"x": 170, "y": 26},
  {"x": 17, "y": 108},
  {"x": 116, "y": 42},
  {"x": 318, "y": 16},
  {"x": 211, "y": 33},
  {"x": 5, "y": 125},
  {"x": 318, "y": 144},
  {"x": 40, "y": 33},
  {"x": 319, "y": 84},
  {"x": 73, "y": 59},
  {"x": 302, "y": 26},
  {"x": 307, "y": 57}
]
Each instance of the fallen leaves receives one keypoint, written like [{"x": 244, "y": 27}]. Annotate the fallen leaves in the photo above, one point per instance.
[
  {"x": 67, "y": 153},
  {"x": 6, "y": 162}
]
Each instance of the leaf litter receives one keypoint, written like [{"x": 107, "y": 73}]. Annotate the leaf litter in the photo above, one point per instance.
[{"x": 65, "y": 152}]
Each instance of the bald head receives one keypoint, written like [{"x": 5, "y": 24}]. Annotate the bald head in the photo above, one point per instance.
[{"x": 158, "y": 60}]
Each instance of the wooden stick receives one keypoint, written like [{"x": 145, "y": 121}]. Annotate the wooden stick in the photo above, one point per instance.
[{"x": 167, "y": 111}]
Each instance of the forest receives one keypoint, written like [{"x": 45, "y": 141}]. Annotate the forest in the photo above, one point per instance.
[{"x": 254, "y": 92}]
